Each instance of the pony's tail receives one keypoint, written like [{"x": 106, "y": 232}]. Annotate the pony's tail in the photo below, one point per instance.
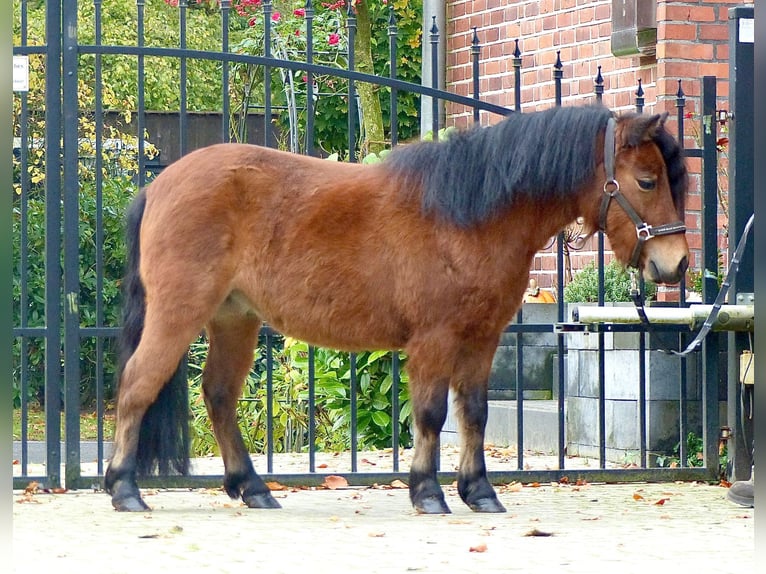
[{"x": 163, "y": 443}]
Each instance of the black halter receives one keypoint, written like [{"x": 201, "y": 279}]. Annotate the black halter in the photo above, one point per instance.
[{"x": 644, "y": 231}]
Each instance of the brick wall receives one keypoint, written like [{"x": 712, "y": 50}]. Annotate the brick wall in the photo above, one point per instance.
[{"x": 692, "y": 41}]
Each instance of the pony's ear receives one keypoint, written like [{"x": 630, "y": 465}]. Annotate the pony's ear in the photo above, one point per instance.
[{"x": 642, "y": 129}]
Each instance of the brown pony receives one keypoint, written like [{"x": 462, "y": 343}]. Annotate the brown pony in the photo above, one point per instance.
[{"x": 427, "y": 252}]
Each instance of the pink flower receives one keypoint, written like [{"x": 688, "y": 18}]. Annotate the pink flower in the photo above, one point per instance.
[
  {"x": 300, "y": 12},
  {"x": 276, "y": 16},
  {"x": 333, "y": 39},
  {"x": 297, "y": 32},
  {"x": 252, "y": 21}
]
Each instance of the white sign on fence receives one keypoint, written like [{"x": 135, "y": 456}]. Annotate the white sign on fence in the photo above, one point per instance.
[{"x": 21, "y": 73}]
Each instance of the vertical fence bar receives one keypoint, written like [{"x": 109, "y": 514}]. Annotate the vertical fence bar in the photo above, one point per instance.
[
  {"x": 558, "y": 74},
  {"x": 309, "y": 17},
  {"x": 642, "y": 411},
  {"x": 395, "y": 410},
  {"x": 519, "y": 393},
  {"x": 475, "y": 53},
  {"x": 600, "y": 262},
  {"x": 517, "y": 76},
  {"x": 267, "y": 135},
  {"x": 640, "y": 98},
  {"x": 682, "y": 338},
  {"x": 71, "y": 244},
  {"x": 598, "y": 87},
  {"x": 354, "y": 411},
  {"x": 183, "y": 136},
  {"x": 711, "y": 345},
  {"x": 24, "y": 258},
  {"x": 435, "y": 79},
  {"x": 226, "y": 106},
  {"x": 53, "y": 183},
  {"x": 99, "y": 160},
  {"x": 269, "y": 400},
  {"x": 140, "y": 97},
  {"x": 393, "y": 32},
  {"x": 312, "y": 408},
  {"x": 351, "y": 24}
]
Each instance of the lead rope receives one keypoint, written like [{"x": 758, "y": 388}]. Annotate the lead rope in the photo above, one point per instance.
[{"x": 638, "y": 299}]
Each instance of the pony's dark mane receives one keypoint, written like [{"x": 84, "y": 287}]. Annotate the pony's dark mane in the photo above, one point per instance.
[
  {"x": 548, "y": 154},
  {"x": 675, "y": 164},
  {"x": 476, "y": 172}
]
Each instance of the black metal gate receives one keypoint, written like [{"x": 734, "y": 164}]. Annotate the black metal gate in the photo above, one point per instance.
[{"x": 55, "y": 325}]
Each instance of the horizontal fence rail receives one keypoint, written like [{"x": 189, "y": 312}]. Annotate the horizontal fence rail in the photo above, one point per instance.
[{"x": 67, "y": 340}]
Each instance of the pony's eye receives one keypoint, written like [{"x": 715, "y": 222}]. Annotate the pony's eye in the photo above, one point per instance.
[{"x": 646, "y": 184}]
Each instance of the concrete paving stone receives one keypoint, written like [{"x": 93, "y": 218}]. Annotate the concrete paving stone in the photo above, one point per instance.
[{"x": 548, "y": 528}]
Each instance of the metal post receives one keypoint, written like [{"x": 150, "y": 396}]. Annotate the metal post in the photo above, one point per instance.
[
  {"x": 711, "y": 344},
  {"x": 392, "y": 35},
  {"x": 640, "y": 98},
  {"x": 475, "y": 53},
  {"x": 517, "y": 76},
  {"x": 351, "y": 25},
  {"x": 71, "y": 244},
  {"x": 183, "y": 136},
  {"x": 267, "y": 135},
  {"x": 599, "y": 86},
  {"x": 53, "y": 123},
  {"x": 435, "y": 79},
  {"x": 226, "y": 111},
  {"x": 741, "y": 207},
  {"x": 309, "y": 16}
]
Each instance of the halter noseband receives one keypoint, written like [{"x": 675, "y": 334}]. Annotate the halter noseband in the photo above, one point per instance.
[{"x": 644, "y": 231}]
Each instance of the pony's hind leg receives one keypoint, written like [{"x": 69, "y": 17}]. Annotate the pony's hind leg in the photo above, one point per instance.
[
  {"x": 232, "y": 337},
  {"x": 154, "y": 363},
  {"x": 469, "y": 384}
]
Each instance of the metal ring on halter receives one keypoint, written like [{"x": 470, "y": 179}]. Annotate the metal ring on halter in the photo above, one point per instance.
[
  {"x": 614, "y": 184},
  {"x": 644, "y": 231}
]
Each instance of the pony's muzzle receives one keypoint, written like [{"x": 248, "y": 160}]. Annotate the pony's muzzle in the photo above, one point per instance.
[{"x": 655, "y": 272}]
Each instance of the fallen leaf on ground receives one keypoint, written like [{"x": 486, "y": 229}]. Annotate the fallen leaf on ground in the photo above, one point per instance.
[
  {"x": 273, "y": 485},
  {"x": 376, "y": 534},
  {"x": 398, "y": 484},
  {"x": 334, "y": 481},
  {"x": 478, "y": 548},
  {"x": 323, "y": 465},
  {"x": 637, "y": 496},
  {"x": 661, "y": 501},
  {"x": 58, "y": 490},
  {"x": 365, "y": 461},
  {"x": 513, "y": 487},
  {"x": 536, "y": 532}
]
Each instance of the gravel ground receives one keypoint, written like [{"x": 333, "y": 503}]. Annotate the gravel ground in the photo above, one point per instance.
[{"x": 548, "y": 528}]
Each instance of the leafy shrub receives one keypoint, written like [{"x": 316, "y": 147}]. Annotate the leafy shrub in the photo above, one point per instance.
[
  {"x": 332, "y": 375},
  {"x": 617, "y": 284}
]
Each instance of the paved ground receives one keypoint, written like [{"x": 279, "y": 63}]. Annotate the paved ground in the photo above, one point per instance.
[{"x": 548, "y": 529}]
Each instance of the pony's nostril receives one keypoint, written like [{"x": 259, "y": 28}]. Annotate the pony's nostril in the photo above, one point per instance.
[{"x": 683, "y": 266}]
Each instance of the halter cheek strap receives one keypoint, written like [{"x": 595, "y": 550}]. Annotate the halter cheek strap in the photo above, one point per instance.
[{"x": 644, "y": 231}]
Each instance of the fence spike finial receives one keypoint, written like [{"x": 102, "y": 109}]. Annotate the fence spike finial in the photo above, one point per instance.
[
  {"x": 516, "y": 51},
  {"x": 680, "y": 93}
]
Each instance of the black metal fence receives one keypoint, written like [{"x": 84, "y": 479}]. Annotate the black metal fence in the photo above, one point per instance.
[{"x": 66, "y": 341}]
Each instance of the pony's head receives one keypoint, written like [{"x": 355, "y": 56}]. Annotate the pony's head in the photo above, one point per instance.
[{"x": 642, "y": 209}]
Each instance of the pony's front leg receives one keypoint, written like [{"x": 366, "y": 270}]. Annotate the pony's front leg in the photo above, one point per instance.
[
  {"x": 472, "y": 482},
  {"x": 430, "y": 368},
  {"x": 429, "y": 407}
]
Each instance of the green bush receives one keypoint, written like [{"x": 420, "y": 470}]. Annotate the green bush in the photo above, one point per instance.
[
  {"x": 332, "y": 377},
  {"x": 116, "y": 194},
  {"x": 617, "y": 285}
]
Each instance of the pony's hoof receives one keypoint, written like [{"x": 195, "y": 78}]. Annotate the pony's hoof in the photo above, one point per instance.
[
  {"x": 432, "y": 505},
  {"x": 130, "y": 504},
  {"x": 487, "y": 505},
  {"x": 262, "y": 500}
]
